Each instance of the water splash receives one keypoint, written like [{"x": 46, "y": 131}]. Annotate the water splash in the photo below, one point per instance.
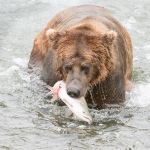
[{"x": 140, "y": 96}]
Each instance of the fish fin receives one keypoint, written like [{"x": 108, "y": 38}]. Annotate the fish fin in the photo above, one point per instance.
[
  {"x": 54, "y": 98},
  {"x": 51, "y": 94},
  {"x": 49, "y": 87}
]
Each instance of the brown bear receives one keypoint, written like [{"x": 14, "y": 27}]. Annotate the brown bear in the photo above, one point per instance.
[{"x": 90, "y": 50}]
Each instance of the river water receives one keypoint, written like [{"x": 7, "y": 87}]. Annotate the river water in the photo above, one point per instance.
[{"x": 28, "y": 121}]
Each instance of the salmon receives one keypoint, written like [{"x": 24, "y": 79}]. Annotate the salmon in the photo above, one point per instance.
[{"x": 78, "y": 106}]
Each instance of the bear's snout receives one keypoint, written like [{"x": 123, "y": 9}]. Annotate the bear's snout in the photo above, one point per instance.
[
  {"x": 75, "y": 88},
  {"x": 73, "y": 92}
]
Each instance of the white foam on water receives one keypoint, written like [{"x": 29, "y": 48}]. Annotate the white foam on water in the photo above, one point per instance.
[
  {"x": 10, "y": 71},
  {"x": 140, "y": 96},
  {"x": 20, "y": 62},
  {"x": 147, "y": 56}
]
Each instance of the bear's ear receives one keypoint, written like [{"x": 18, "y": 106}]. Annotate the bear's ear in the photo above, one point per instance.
[
  {"x": 52, "y": 34},
  {"x": 109, "y": 37}
]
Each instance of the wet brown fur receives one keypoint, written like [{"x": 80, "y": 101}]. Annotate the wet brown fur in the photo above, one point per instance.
[{"x": 106, "y": 45}]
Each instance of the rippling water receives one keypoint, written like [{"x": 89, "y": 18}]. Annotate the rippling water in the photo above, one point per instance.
[{"x": 29, "y": 121}]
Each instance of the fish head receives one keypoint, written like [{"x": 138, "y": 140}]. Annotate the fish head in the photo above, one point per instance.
[{"x": 57, "y": 86}]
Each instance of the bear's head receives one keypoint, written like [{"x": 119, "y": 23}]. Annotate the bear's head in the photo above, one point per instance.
[{"x": 82, "y": 58}]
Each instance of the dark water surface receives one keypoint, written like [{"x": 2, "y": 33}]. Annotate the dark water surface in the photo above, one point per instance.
[{"x": 28, "y": 121}]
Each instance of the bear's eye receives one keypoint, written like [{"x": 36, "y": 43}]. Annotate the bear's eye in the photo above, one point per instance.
[
  {"x": 68, "y": 68},
  {"x": 85, "y": 68}
]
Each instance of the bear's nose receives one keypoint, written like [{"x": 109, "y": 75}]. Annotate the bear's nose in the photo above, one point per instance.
[{"x": 75, "y": 93}]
